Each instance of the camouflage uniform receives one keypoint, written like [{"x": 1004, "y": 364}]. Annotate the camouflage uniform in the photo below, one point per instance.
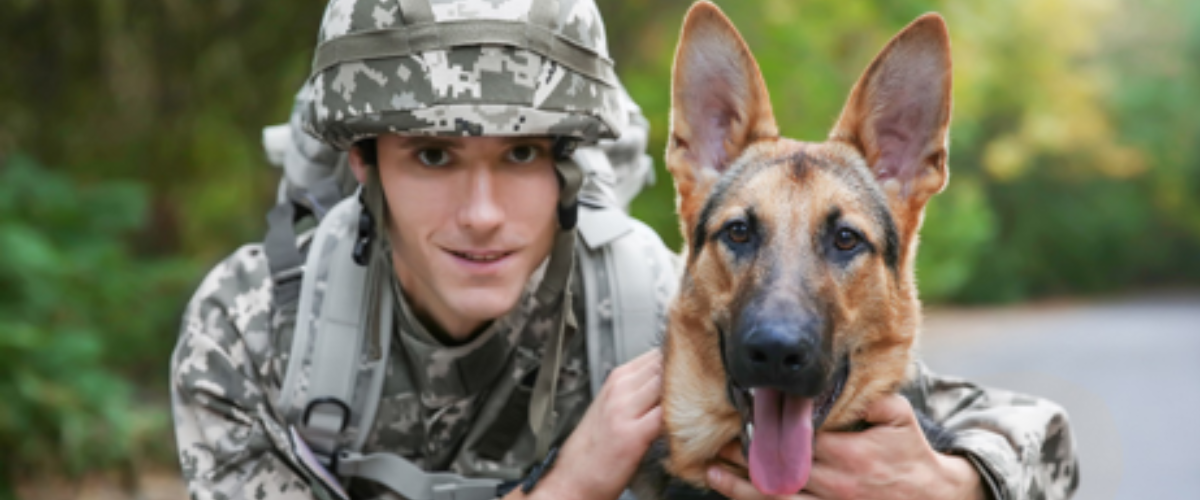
[
  {"x": 536, "y": 67},
  {"x": 226, "y": 370},
  {"x": 1021, "y": 445}
]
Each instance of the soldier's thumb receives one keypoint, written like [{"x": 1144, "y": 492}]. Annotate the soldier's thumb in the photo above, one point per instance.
[{"x": 891, "y": 410}]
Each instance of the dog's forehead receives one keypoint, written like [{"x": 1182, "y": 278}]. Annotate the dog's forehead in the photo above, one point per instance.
[
  {"x": 798, "y": 187},
  {"x": 789, "y": 174}
]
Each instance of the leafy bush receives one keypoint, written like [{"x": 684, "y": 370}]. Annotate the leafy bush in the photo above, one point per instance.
[{"x": 75, "y": 304}]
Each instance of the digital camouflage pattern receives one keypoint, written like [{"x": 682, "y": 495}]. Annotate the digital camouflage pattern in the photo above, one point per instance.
[
  {"x": 463, "y": 90},
  {"x": 1021, "y": 445},
  {"x": 436, "y": 404},
  {"x": 232, "y": 442},
  {"x": 437, "y": 400}
]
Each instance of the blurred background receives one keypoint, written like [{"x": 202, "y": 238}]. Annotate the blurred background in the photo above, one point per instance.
[{"x": 131, "y": 162}]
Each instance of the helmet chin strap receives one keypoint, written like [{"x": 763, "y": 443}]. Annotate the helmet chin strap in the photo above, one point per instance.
[
  {"x": 380, "y": 272},
  {"x": 542, "y": 418}
]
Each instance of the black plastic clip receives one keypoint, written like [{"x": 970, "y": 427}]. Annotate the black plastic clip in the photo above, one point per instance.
[
  {"x": 568, "y": 216},
  {"x": 366, "y": 232},
  {"x": 563, "y": 147}
]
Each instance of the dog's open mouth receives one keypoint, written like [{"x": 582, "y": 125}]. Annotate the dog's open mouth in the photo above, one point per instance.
[{"x": 780, "y": 427}]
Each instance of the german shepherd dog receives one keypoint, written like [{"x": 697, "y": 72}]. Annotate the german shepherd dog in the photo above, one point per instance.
[{"x": 798, "y": 306}]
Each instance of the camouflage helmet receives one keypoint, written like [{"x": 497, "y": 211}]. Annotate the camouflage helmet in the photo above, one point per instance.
[{"x": 462, "y": 67}]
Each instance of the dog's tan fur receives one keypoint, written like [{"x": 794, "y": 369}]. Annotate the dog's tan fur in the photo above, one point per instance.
[{"x": 791, "y": 186}]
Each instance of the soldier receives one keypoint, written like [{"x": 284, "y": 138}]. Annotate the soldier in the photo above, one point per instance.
[{"x": 448, "y": 331}]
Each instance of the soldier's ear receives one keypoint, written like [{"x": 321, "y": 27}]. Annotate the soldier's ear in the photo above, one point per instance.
[{"x": 358, "y": 163}]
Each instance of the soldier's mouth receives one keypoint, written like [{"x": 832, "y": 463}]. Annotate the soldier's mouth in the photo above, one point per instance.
[{"x": 480, "y": 257}]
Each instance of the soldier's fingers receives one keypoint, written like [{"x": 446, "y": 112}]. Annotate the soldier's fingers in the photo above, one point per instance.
[
  {"x": 650, "y": 424},
  {"x": 733, "y": 454},
  {"x": 829, "y": 482},
  {"x": 733, "y": 486},
  {"x": 835, "y": 448},
  {"x": 639, "y": 368},
  {"x": 648, "y": 358},
  {"x": 645, "y": 395},
  {"x": 651, "y": 363},
  {"x": 892, "y": 410},
  {"x": 726, "y": 483}
]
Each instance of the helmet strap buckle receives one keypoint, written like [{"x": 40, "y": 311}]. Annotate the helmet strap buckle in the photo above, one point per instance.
[
  {"x": 366, "y": 233},
  {"x": 563, "y": 147}
]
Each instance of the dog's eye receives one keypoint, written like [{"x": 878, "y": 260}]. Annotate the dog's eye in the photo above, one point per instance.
[
  {"x": 846, "y": 239},
  {"x": 739, "y": 232}
]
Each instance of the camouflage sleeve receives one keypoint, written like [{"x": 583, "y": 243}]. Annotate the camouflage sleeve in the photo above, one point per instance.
[
  {"x": 230, "y": 444},
  {"x": 1021, "y": 445}
]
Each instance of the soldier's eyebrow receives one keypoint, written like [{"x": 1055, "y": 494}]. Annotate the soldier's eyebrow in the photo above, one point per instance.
[
  {"x": 519, "y": 140},
  {"x": 431, "y": 142}
]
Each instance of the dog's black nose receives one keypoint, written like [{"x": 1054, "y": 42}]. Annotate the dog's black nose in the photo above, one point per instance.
[
  {"x": 769, "y": 350},
  {"x": 783, "y": 355}
]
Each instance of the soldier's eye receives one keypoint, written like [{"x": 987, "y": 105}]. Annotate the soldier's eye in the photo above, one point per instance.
[
  {"x": 523, "y": 154},
  {"x": 433, "y": 157}
]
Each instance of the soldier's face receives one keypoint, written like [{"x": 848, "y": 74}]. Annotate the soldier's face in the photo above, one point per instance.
[{"x": 471, "y": 219}]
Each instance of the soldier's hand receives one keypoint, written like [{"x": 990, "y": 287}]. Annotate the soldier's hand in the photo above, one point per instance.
[
  {"x": 603, "y": 452},
  {"x": 890, "y": 460}
]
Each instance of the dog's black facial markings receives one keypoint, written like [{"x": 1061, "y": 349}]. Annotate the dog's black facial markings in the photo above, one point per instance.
[
  {"x": 832, "y": 234},
  {"x": 862, "y": 181},
  {"x": 825, "y": 401},
  {"x": 742, "y": 236},
  {"x": 891, "y": 238},
  {"x": 799, "y": 162},
  {"x": 737, "y": 175},
  {"x": 700, "y": 232}
]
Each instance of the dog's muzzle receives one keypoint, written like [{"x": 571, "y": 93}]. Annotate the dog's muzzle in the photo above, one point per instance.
[
  {"x": 783, "y": 353},
  {"x": 823, "y": 385}
]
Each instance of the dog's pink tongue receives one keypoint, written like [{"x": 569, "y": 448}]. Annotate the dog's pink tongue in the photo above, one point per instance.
[{"x": 781, "y": 448}]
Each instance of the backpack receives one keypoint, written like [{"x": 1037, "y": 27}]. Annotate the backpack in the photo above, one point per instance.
[{"x": 333, "y": 378}]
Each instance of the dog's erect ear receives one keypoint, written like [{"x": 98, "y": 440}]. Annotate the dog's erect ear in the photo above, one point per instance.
[
  {"x": 719, "y": 105},
  {"x": 898, "y": 115}
]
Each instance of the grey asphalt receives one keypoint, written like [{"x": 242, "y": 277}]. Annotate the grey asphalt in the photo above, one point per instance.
[{"x": 1127, "y": 371}]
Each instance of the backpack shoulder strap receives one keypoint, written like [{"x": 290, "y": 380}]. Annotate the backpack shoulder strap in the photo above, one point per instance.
[
  {"x": 623, "y": 260},
  {"x": 335, "y": 372},
  {"x": 336, "y": 365}
]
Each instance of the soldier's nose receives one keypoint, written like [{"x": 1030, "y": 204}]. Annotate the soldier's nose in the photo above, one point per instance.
[{"x": 481, "y": 210}]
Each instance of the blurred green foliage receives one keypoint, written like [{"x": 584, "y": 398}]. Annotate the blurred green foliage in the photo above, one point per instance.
[
  {"x": 1075, "y": 146},
  {"x": 78, "y": 312},
  {"x": 1075, "y": 166}
]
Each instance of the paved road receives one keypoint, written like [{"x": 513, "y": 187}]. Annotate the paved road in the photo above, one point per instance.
[{"x": 1128, "y": 372}]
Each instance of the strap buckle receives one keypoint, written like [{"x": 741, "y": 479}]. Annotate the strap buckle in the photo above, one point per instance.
[
  {"x": 568, "y": 216},
  {"x": 311, "y": 463},
  {"x": 337, "y": 403},
  {"x": 531, "y": 480},
  {"x": 563, "y": 147}
]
